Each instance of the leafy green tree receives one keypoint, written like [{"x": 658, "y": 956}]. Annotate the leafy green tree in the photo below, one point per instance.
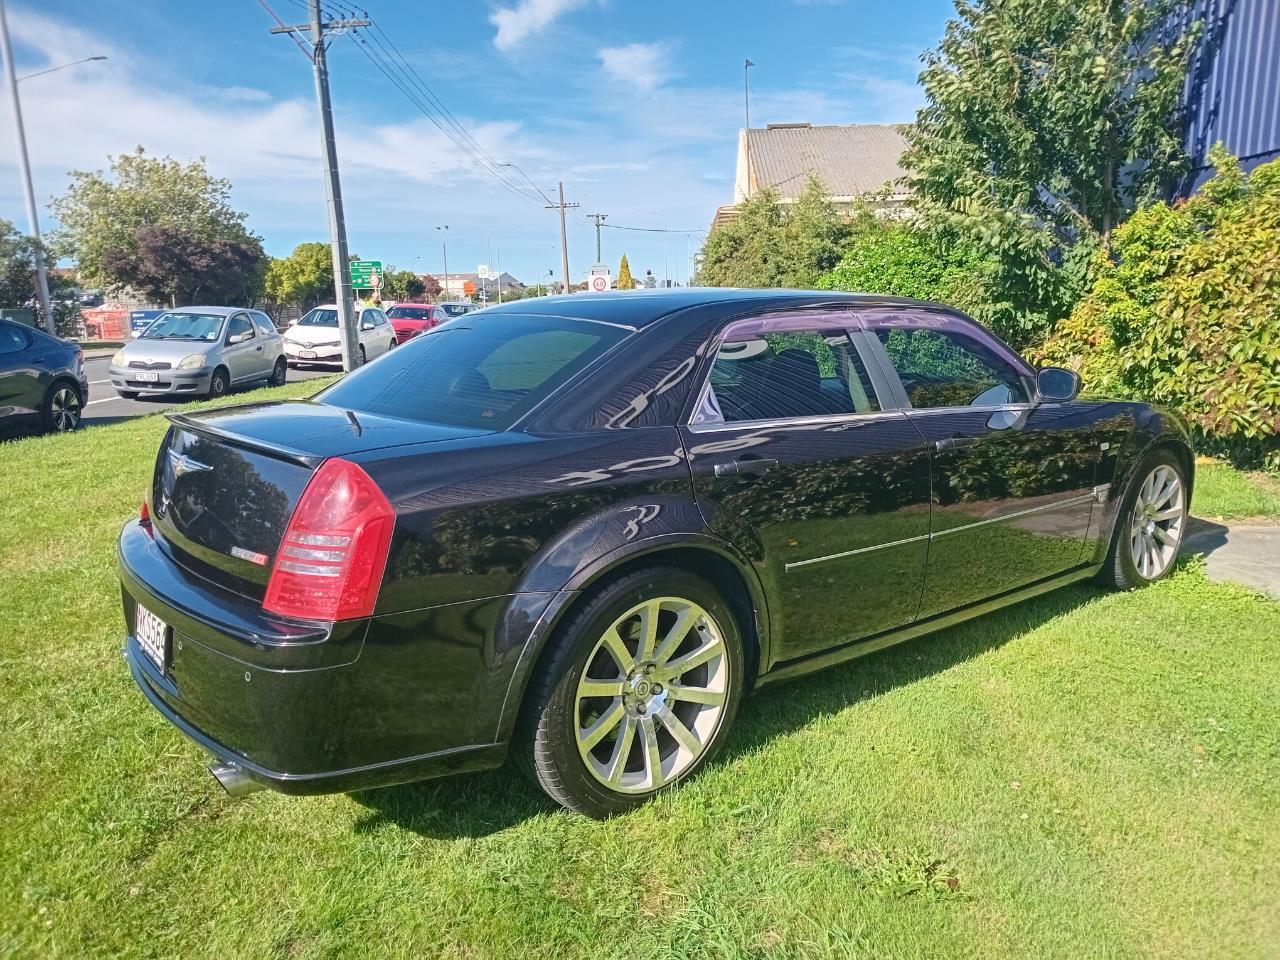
[
  {"x": 772, "y": 244},
  {"x": 103, "y": 215},
  {"x": 625, "y": 280},
  {"x": 305, "y": 277},
  {"x": 898, "y": 258},
  {"x": 17, "y": 266},
  {"x": 1045, "y": 125},
  {"x": 1189, "y": 314},
  {"x": 401, "y": 285}
]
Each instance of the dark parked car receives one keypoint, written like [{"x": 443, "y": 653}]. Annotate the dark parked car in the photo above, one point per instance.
[
  {"x": 42, "y": 381},
  {"x": 576, "y": 530}
]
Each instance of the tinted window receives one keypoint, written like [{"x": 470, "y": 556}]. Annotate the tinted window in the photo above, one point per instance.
[
  {"x": 185, "y": 326},
  {"x": 772, "y": 376},
  {"x": 483, "y": 374},
  {"x": 12, "y": 340},
  {"x": 240, "y": 326},
  {"x": 943, "y": 368}
]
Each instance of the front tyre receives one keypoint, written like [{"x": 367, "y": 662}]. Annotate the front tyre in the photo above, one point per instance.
[
  {"x": 1150, "y": 525},
  {"x": 219, "y": 383},
  {"x": 638, "y": 692}
]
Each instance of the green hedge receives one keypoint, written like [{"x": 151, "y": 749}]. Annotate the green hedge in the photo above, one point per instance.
[{"x": 1187, "y": 312}]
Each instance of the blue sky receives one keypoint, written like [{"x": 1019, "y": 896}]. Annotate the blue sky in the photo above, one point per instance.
[{"x": 635, "y": 105}]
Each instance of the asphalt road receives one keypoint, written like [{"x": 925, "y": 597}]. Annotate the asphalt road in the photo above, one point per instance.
[{"x": 106, "y": 407}]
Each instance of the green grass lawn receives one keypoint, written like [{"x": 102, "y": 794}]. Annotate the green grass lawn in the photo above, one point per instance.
[
  {"x": 1086, "y": 775},
  {"x": 1224, "y": 493}
]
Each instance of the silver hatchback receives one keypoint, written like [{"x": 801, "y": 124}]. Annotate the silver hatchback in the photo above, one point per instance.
[{"x": 200, "y": 351}]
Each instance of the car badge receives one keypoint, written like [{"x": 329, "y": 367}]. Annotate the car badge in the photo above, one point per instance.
[{"x": 182, "y": 464}]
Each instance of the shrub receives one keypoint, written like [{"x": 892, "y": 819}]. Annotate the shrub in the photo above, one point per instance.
[{"x": 1189, "y": 313}]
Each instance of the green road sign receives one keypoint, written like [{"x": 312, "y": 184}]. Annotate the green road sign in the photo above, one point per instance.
[{"x": 362, "y": 272}]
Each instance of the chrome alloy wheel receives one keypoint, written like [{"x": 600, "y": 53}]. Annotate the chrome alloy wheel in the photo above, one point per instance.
[
  {"x": 1158, "y": 518},
  {"x": 652, "y": 695},
  {"x": 64, "y": 409}
]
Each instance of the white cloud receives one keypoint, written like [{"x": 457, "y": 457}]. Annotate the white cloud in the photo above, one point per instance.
[
  {"x": 644, "y": 66},
  {"x": 527, "y": 18}
]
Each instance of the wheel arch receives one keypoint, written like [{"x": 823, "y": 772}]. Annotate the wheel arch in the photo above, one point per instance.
[{"x": 707, "y": 556}]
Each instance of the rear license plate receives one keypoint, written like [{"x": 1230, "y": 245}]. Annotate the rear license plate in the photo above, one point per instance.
[
  {"x": 152, "y": 635},
  {"x": 146, "y": 377},
  {"x": 307, "y": 354}
]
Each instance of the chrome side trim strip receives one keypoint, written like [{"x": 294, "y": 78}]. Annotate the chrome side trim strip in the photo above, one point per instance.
[
  {"x": 850, "y": 553},
  {"x": 1069, "y": 502}
]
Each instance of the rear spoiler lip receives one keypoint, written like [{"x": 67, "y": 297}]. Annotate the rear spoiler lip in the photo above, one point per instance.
[{"x": 292, "y": 455}]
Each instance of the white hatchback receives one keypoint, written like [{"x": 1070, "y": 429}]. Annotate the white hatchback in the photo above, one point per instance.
[{"x": 315, "y": 338}]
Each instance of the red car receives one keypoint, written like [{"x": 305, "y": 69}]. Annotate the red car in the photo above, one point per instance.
[{"x": 410, "y": 319}]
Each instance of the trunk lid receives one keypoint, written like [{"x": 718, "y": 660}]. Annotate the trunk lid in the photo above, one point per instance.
[{"x": 227, "y": 481}]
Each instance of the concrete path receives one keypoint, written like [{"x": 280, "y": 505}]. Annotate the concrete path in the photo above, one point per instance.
[{"x": 1242, "y": 553}]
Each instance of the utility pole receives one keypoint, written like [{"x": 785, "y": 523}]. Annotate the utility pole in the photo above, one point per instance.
[
  {"x": 746, "y": 132},
  {"x": 564, "y": 235},
  {"x": 33, "y": 219},
  {"x": 332, "y": 186},
  {"x": 599, "y": 218},
  {"x": 444, "y": 250}
]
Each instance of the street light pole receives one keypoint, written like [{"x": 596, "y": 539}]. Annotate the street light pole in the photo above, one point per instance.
[
  {"x": 444, "y": 249},
  {"x": 24, "y": 163}
]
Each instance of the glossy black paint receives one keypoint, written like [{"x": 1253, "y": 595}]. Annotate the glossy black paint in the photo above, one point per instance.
[
  {"x": 28, "y": 374},
  {"x": 857, "y": 533}
]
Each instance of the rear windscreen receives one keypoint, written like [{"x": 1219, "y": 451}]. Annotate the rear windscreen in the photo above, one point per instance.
[{"x": 484, "y": 371}]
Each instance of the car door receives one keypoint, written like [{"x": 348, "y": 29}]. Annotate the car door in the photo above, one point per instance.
[
  {"x": 383, "y": 334},
  {"x": 272, "y": 343},
  {"x": 800, "y": 459},
  {"x": 1012, "y": 478},
  {"x": 21, "y": 388},
  {"x": 243, "y": 358}
]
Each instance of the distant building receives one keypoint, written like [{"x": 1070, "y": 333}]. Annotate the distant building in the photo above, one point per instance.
[
  {"x": 469, "y": 285},
  {"x": 853, "y": 161}
]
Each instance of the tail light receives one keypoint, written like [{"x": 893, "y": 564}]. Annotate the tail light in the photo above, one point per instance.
[
  {"x": 334, "y": 552},
  {"x": 144, "y": 518}
]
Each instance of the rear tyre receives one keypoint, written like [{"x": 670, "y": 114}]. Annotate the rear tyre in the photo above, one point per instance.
[
  {"x": 219, "y": 383},
  {"x": 1150, "y": 524},
  {"x": 280, "y": 373},
  {"x": 63, "y": 408},
  {"x": 636, "y": 693}
]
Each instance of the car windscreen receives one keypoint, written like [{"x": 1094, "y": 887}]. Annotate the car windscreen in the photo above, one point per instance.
[
  {"x": 409, "y": 313},
  {"x": 185, "y": 326},
  {"x": 484, "y": 373},
  {"x": 319, "y": 317}
]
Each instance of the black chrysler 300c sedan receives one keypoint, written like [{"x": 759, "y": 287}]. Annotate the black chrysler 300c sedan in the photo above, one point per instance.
[{"x": 576, "y": 530}]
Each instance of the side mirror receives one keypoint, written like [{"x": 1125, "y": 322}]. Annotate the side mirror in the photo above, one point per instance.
[
  {"x": 236, "y": 338},
  {"x": 1057, "y": 384},
  {"x": 136, "y": 334},
  {"x": 366, "y": 325}
]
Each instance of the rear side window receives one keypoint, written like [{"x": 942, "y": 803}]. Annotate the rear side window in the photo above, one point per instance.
[
  {"x": 263, "y": 323},
  {"x": 483, "y": 373},
  {"x": 12, "y": 340},
  {"x": 786, "y": 375}
]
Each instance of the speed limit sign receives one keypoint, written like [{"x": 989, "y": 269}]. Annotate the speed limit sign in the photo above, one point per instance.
[{"x": 599, "y": 284}]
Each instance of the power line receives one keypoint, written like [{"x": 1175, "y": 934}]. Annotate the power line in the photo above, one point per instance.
[{"x": 615, "y": 226}]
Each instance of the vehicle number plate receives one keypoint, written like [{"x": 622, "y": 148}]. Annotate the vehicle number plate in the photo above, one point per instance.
[
  {"x": 146, "y": 377},
  {"x": 307, "y": 354},
  {"x": 152, "y": 635}
]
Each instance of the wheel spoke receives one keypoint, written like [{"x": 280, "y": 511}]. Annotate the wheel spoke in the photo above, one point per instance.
[
  {"x": 685, "y": 620},
  {"x": 612, "y": 642},
  {"x": 1170, "y": 513},
  {"x": 600, "y": 688},
  {"x": 684, "y": 736},
  {"x": 592, "y": 735},
  {"x": 676, "y": 691},
  {"x": 710, "y": 648},
  {"x": 652, "y": 757},
  {"x": 621, "y": 751},
  {"x": 648, "y": 630},
  {"x": 1164, "y": 536}
]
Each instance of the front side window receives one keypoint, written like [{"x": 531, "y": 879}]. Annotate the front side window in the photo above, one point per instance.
[
  {"x": 947, "y": 368},
  {"x": 205, "y": 327},
  {"x": 764, "y": 373},
  {"x": 241, "y": 327},
  {"x": 478, "y": 374}
]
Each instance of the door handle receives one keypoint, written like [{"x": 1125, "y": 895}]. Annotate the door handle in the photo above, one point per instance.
[
  {"x": 955, "y": 443},
  {"x": 754, "y": 465},
  {"x": 259, "y": 349}
]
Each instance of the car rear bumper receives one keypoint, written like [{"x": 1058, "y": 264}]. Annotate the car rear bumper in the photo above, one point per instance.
[
  {"x": 125, "y": 380},
  {"x": 294, "y": 705}
]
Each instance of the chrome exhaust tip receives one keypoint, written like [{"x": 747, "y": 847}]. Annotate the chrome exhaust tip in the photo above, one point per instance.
[{"x": 234, "y": 780}]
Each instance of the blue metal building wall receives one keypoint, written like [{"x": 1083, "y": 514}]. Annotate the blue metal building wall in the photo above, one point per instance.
[{"x": 1233, "y": 90}]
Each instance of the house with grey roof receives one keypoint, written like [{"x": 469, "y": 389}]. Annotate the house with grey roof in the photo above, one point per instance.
[{"x": 853, "y": 161}]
